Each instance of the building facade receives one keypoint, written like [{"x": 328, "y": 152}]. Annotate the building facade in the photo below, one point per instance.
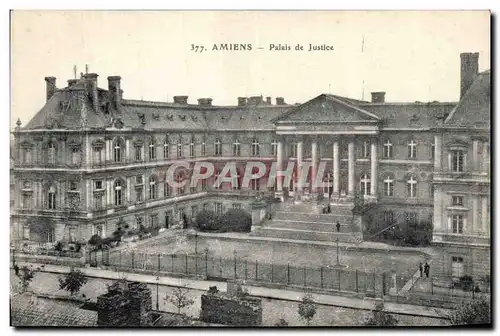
[{"x": 90, "y": 161}]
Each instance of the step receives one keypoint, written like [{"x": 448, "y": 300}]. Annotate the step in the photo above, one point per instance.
[
  {"x": 308, "y": 226},
  {"x": 307, "y": 217},
  {"x": 307, "y": 235}
]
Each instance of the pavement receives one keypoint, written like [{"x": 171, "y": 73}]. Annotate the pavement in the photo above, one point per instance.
[{"x": 271, "y": 293}]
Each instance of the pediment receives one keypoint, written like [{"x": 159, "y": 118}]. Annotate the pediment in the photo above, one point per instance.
[{"x": 326, "y": 108}]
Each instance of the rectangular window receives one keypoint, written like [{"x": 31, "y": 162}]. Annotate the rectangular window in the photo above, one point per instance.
[
  {"x": 293, "y": 150},
  {"x": 457, "y": 161},
  {"x": 52, "y": 200},
  {"x": 194, "y": 211},
  {"x": 388, "y": 217},
  {"x": 72, "y": 234},
  {"x": 388, "y": 150},
  {"x": 237, "y": 206},
  {"x": 365, "y": 149},
  {"x": 191, "y": 150},
  {"x": 27, "y": 155},
  {"x": 203, "y": 149},
  {"x": 218, "y": 207},
  {"x": 73, "y": 185},
  {"x": 97, "y": 155},
  {"x": 138, "y": 180},
  {"x": 75, "y": 155},
  {"x": 98, "y": 202},
  {"x": 255, "y": 185},
  {"x": 457, "y": 224},
  {"x": 457, "y": 200},
  {"x": 167, "y": 190},
  {"x": 153, "y": 221},
  {"x": 152, "y": 152},
  {"x": 138, "y": 154},
  {"x": 98, "y": 185},
  {"x": 411, "y": 218},
  {"x": 26, "y": 201},
  {"x": 388, "y": 188},
  {"x": 274, "y": 148},
  {"x": 204, "y": 184},
  {"x": 218, "y": 148},
  {"x": 138, "y": 195},
  {"x": 26, "y": 232}
]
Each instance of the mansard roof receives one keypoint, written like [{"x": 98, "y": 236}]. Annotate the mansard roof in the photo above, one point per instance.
[
  {"x": 72, "y": 108},
  {"x": 474, "y": 109}
]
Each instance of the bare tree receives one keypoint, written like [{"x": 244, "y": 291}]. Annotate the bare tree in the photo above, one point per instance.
[
  {"x": 307, "y": 309},
  {"x": 179, "y": 299}
]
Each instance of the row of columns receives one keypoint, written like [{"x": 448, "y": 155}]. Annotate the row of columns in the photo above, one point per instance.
[{"x": 336, "y": 166}]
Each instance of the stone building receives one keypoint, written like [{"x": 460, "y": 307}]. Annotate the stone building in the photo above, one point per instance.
[{"x": 91, "y": 160}]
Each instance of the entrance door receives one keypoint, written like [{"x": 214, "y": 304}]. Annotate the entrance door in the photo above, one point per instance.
[{"x": 457, "y": 267}]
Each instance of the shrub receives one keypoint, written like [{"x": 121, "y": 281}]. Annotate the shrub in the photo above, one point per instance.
[
  {"x": 208, "y": 221},
  {"x": 281, "y": 323},
  {"x": 307, "y": 309},
  {"x": 475, "y": 312},
  {"x": 73, "y": 281},
  {"x": 381, "y": 318},
  {"x": 95, "y": 240},
  {"x": 59, "y": 246},
  {"x": 466, "y": 283},
  {"x": 236, "y": 220}
]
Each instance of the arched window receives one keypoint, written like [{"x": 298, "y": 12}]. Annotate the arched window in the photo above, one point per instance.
[
  {"x": 51, "y": 153},
  {"x": 255, "y": 147},
  {"x": 51, "y": 198},
  {"x": 118, "y": 149},
  {"x": 236, "y": 148},
  {"x": 388, "y": 186},
  {"x": 152, "y": 149},
  {"x": 218, "y": 148},
  {"x": 166, "y": 148},
  {"x": 411, "y": 187},
  {"x": 118, "y": 192},
  {"x": 365, "y": 185},
  {"x": 152, "y": 187}
]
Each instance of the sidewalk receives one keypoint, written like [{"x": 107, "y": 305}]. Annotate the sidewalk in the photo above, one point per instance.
[
  {"x": 365, "y": 245},
  {"x": 279, "y": 294}
]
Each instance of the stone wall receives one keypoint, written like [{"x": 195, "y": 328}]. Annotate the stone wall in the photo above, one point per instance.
[{"x": 236, "y": 311}]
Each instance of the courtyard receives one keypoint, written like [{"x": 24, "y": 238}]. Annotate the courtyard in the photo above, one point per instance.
[{"x": 360, "y": 270}]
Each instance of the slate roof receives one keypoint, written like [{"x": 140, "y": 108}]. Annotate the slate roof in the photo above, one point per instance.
[
  {"x": 474, "y": 109},
  {"x": 30, "y": 311},
  {"x": 68, "y": 107}
]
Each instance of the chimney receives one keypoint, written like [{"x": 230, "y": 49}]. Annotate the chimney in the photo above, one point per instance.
[
  {"x": 115, "y": 92},
  {"x": 242, "y": 101},
  {"x": 469, "y": 68},
  {"x": 205, "y": 101},
  {"x": 255, "y": 100},
  {"x": 181, "y": 100},
  {"x": 91, "y": 85},
  {"x": 280, "y": 101},
  {"x": 72, "y": 82},
  {"x": 268, "y": 101},
  {"x": 51, "y": 86},
  {"x": 378, "y": 97}
]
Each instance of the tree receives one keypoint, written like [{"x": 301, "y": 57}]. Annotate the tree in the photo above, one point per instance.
[
  {"x": 95, "y": 240},
  {"x": 307, "y": 308},
  {"x": 380, "y": 317},
  {"x": 475, "y": 312},
  {"x": 73, "y": 281},
  {"x": 236, "y": 220},
  {"x": 26, "y": 275},
  {"x": 179, "y": 299}
]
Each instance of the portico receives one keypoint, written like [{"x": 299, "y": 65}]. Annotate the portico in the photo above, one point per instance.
[{"x": 327, "y": 139}]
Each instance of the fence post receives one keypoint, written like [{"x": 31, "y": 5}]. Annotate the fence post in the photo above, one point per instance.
[
  {"x": 133, "y": 259},
  {"x": 220, "y": 266},
  {"x": 321, "y": 271},
  {"x": 256, "y": 270},
  {"x": 196, "y": 264},
  {"x": 383, "y": 284},
  {"x": 374, "y": 289},
  {"x": 338, "y": 274},
  {"x": 159, "y": 262},
  {"x": 120, "y": 259},
  {"x": 235, "y": 266},
  {"x": 172, "y": 257},
  {"x": 432, "y": 287},
  {"x": 287, "y": 274},
  {"x": 357, "y": 289},
  {"x": 186, "y": 261},
  {"x": 305, "y": 276},
  {"x": 206, "y": 263},
  {"x": 272, "y": 271},
  {"x": 246, "y": 269},
  {"x": 473, "y": 289}
]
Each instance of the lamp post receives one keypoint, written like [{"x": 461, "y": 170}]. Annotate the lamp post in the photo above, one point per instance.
[
  {"x": 338, "y": 262},
  {"x": 157, "y": 293}
]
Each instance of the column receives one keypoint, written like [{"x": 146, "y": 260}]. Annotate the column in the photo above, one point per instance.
[
  {"x": 129, "y": 188},
  {"x": 437, "y": 152},
  {"x": 109, "y": 191},
  {"x": 336, "y": 166},
  {"x": 279, "y": 166},
  {"x": 300, "y": 153},
  {"x": 486, "y": 158},
  {"x": 314, "y": 165},
  {"x": 373, "y": 173},
  {"x": 475, "y": 150},
  {"x": 485, "y": 215},
  {"x": 88, "y": 188},
  {"x": 127, "y": 150},
  {"x": 108, "y": 150},
  {"x": 475, "y": 225},
  {"x": 351, "y": 167}
]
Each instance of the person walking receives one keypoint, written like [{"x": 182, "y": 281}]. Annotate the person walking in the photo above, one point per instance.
[
  {"x": 421, "y": 269},
  {"x": 427, "y": 269},
  {"x": 338, "y": 226}
]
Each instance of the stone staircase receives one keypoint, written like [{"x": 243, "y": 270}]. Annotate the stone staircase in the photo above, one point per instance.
[{"x": 303, "y": 222}]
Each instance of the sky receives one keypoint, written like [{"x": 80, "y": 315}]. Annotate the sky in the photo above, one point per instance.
[{"x": 412, "y": 56}]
